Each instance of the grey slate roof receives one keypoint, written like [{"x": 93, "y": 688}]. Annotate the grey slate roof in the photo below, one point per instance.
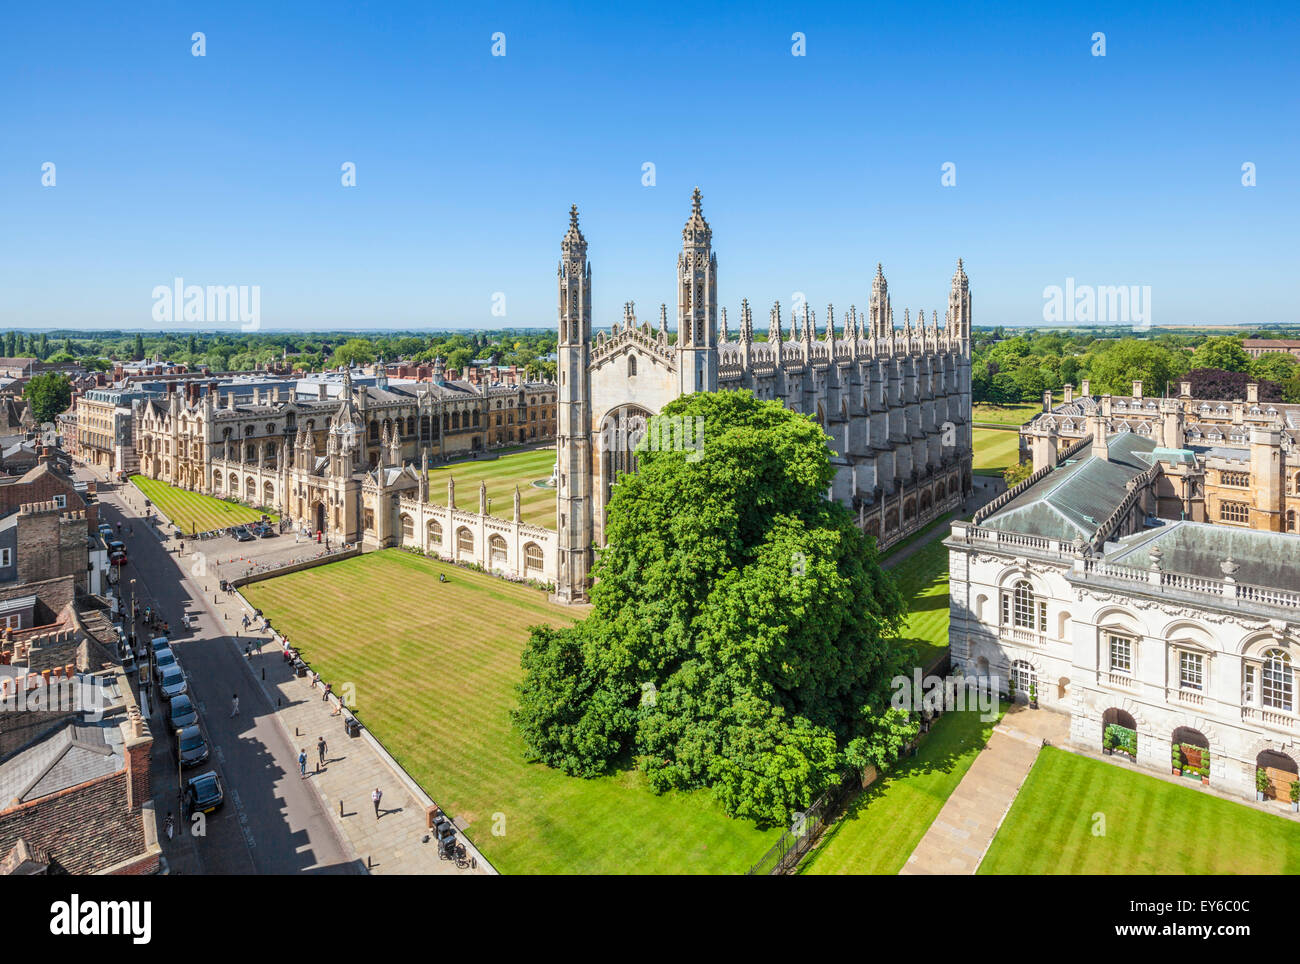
[
  {"x": 1269, "y": 559},
  {"x": 1077, "y": 497},
  {"x": 79, "y": 752}
]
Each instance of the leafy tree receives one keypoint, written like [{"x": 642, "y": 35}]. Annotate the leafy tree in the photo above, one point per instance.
[
  {"x": 1274, "y": 367},
  {"x": 138, "y": 353},
  {"x": 742, "y": 632},
  {"x": 354, "y": 351},
  {"x": 1220, "y": 351},
  {"x": 1115, "y": 367},
  {"x": 48, "y": 394},
  {"x": 1215, "y": 383},
  {"x": 1015, "y": 474}
]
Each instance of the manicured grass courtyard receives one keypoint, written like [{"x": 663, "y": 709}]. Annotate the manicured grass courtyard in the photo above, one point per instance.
[
  {"x": 193, "y": 511},
  {"x": 995, "y": 449},
  {"x": 1151, "y": 827},
  {"x": 1011, "y": 415},
  {"x": 502, "y": 474},
  {"x": 435, "y": 667},
  {"x": 923, "y": 580},
  {"x": 885, "y": 823}
]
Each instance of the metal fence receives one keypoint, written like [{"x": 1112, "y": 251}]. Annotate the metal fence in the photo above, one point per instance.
[{"x": 802, "y": 834}]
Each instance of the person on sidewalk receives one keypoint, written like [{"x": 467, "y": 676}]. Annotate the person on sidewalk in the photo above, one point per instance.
[
  {"x": 321, "y": 749},
  {"x": 171, "y": 825},
  {"x": 376, "y": 797},
  {"x": 302, "y": 761},
  {"x": 234, "y": 706}
]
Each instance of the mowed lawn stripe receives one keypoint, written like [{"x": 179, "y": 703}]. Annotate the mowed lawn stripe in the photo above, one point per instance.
[
  {"x": 435, "y": 667},
  {"x": 193, "y": 511},
  {"x": 995, "y": 450},
  {"x": 1150, "y": 826},
  {"x": 536, "y": 504}
]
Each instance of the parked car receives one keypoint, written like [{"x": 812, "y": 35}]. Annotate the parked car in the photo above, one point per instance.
[
  {"x": 203, "y": 793},
  {"x": 159, "y": 642},
  {"x": 163, "y": 660},
  {"x": 193, "y": 749},
  {"x": 267, "y": 532},
  {"x": 183, "y": 713},
  {"x": 116, "y": 552},
  {"x": 172, "y": 683},
  {"x": 105, "y": 530},
  {"x": 241, "y": 534}
]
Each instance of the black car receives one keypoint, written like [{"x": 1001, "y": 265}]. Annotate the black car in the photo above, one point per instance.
[
  {"x": 242, "y": 535},
  {"x": 203, "y": 793},
  {"x": 193, "y": 749},
  {"x": 267, "y": 531},
  {"x": 183, "y": 713}
]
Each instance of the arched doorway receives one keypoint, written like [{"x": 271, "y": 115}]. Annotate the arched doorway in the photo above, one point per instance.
[
  {"x": 1119, "y": 731},
  {"x": 1022, "y": 673},
  {"x": 1190, "y": 754},
  {"x": 1279, "y": 771},
  {"x": 319, "y": 512}
]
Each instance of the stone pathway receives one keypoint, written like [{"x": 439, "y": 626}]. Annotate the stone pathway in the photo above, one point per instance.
[{"x": 960, "y": 835}]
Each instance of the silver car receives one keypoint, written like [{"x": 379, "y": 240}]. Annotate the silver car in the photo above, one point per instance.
[{"x": 172, "y": 683}]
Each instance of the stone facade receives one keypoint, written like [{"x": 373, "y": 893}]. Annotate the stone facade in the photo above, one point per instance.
[
  {"x": 1092, "y": 582},
  {"x": 895, "y": 401},
  {"x": 351, "y": 461}
]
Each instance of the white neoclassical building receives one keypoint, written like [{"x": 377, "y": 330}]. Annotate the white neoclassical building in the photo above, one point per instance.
[{"x": 1183, "y": 632}]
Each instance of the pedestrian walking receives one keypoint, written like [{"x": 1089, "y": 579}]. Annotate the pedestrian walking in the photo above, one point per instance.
[
  {"x": 171, "y": 825},
  {"x": 321, "y": 748},
  {"x": 376, "y": 797},
  {"x": 325, "y": 697},
  {"x": 234, "y": 706},
  {"x": 245, "y": 623},
  {"x": 302, "y": 761},
  {"x": 248, "y": 652}
]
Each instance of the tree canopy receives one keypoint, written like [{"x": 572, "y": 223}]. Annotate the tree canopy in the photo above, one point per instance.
[
  {"x": 48, "y": 395},
  {"x": 742, "y": 633}
]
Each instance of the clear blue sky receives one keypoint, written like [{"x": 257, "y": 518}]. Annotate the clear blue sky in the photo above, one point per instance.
[{"x": 225, "y": 169}]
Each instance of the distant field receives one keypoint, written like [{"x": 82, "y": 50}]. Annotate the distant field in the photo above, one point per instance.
[
  {"x": 502, "y": 474},
  {"x": 1016, "y": 415},
  {"x": 1151, "y": 827},
  {"x": 435, "y": 666},
  {"x": 995, "y": 449},
  {"x": 193, "y": 511}
]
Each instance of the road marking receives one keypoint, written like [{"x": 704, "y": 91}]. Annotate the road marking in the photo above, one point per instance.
[{"x": 243, "y": 819}]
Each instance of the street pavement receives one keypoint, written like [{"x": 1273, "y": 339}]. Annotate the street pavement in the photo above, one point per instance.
[{"x": 272, "y": 821}]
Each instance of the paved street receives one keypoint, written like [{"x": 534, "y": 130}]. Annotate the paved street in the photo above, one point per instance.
[{"x": 273, "y": 822}]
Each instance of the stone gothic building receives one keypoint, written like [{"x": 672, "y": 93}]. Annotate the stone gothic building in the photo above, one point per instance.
[
  {"x": 352, "y": 460},
  {"x": 895, "y": 401}
]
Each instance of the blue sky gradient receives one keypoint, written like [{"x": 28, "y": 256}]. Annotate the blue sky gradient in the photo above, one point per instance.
[{"x": 225, "y": 169}]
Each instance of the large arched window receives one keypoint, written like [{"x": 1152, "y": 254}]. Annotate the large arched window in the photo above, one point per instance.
[
  {"x": 532, "y": 558},
  {"x": 435, "y": 533},
  {"x": 408, "y": 527},
  {"x": 1277, "y": 685},
  {"x": 464, "y": 543},
  {"x": 1019, "y": 606},
  {"x": 496, "y": 551}
]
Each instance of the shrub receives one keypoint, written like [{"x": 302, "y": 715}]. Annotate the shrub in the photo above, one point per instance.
[{"x": 1261, "y": 780}]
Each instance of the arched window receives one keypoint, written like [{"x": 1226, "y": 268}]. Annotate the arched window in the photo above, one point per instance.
[
  {"x": 464, "y": 543},
  {"x": 408, "y": 527},
  {"x": 455, "y": 420},
  {"x": 496, "y": 551},
  {"x": 1019, "y": 608},
  {"x": 435, "y": 533},
  {"x": 1277, "y": 684},
  {"x": 532, "y": 558},
  {"x": 631, "y": 365}
]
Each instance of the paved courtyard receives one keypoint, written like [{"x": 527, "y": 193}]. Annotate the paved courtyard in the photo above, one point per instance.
[{"x": 960, "y": 835}]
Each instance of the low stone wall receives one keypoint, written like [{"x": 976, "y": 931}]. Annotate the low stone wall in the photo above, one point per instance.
[{"x": 295, "y": 567}]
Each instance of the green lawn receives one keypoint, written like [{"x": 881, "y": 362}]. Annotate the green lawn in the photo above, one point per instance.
[
  {"x": 885, "y": 823},
  {"x": 193, "y": 511},
  {"x": 1151, "y": 827},
  {"x": 923, "y": 580},
  {"x": 995, "y": 449},
  {"x": 502, "y": 474},
  {"x": 435, "y": 667},
  {"x": 1013, "y": 415}
]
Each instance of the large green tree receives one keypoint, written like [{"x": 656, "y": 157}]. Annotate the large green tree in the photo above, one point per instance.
[
  {"x": 48, "y": 395},
  {"x": 742, "y": 636},
  {"x": 1221, "y": 351},
  {"x": 1115, "y": 367}
]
